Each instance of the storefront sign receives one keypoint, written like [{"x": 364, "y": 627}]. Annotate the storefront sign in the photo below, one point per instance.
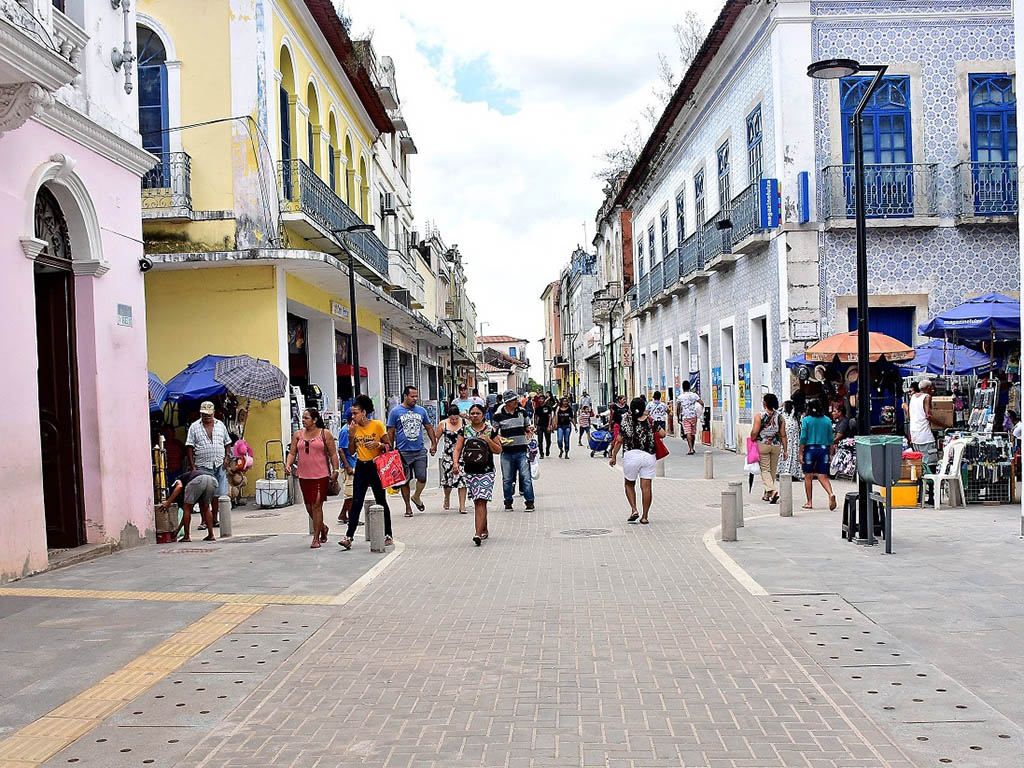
[
  {"x": 803, "y": 198},
  {"x": 340, "y": 310},
  {"x": 124, "y": 315},
  {"x": 627, "y": 353},
  {"x": 769, "y": 205},
  {"x": 744, "y": 386},
  {"x": 716, "y": 386},
  {"x": 804, "y": 330}
]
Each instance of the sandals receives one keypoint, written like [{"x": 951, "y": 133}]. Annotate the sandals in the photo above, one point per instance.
[
  {"x": 633, "y": 518},
  {"x": 643, "y": 521},
  {"x": 832, "y": 502},
  {"x": 774, "y": 499},
  {"x": 323, "y": 534},
  {"x": 345, "y": 542},
  {"x": 418, "y": 504},
  {"x": 409, "y": 513},
  {"x": 477, "y": 540},
  {"x": 315, "y": 545},
  {"x": 388, "y": 541}
]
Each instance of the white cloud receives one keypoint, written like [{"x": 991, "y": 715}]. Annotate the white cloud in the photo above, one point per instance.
[{"x": 515, "y": 191}]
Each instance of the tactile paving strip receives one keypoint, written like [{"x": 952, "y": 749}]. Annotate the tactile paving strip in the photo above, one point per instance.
[{"x": 936, "y": 720}]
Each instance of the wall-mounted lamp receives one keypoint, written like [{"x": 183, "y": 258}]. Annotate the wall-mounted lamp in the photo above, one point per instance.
[{"x": 125, "y": 56}]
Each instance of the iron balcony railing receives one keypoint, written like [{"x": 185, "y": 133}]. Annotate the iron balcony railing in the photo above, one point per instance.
[
  {"x": 691, "y": 255},
  {"x": 631, "y": 296},
  {"x": 745, "y": 218},
  {"x": 657, "y": 278},
  {"x": 644, "y": 289},
  {"x": 717, "y": 241},
  {"x": 892, "y": 191},
  {"x": 987, "y": 189},
  {"x": 671, "y": 268},
  {"x": 168, "y": 184},
  {"x": 303, "y": 191}
]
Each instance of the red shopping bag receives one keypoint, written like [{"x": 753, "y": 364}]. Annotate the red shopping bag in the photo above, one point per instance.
[
  {"x": 389, "y": 467},
  {"x": 660, "y": 451}
]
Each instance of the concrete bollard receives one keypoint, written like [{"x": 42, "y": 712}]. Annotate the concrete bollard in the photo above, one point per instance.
[
  {"x": 375, "y": 527},
  {"x": 785, "y": 495},
  {"x": 709, "y": 465},
  {"x": 737, "y": 486},
  {"x": 659, "y": 468},
  {"x": 224, "y": 516},
  {"x": 729, "y": 515}
]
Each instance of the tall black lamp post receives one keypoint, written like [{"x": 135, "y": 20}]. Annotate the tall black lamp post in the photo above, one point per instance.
[
  {"x": 342, "y": 235},
  {"x": 833, "y": 69}
]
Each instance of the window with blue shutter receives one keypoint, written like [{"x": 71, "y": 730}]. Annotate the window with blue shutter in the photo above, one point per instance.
[
  {"x": 724, "y": 195},
  {"x": 993, "y": 144},
  {"x": 755, "y": 149},
  {"x": 680, "y": 218}
]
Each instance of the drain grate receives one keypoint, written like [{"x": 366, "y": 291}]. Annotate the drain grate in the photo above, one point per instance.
[
  {"x": 259, "y": 515},
  {"x": 189, "y": 551},
  {"x": 242, "y": 539},
  {"x": 584, "y": 533}
]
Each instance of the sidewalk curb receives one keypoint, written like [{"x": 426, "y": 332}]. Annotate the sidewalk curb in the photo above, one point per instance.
[
  {"x": 735, "y": 569},
  {"x": 364, "y": 581}
]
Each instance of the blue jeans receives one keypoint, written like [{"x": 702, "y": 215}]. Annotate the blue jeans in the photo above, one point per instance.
[
  {"x": 513, "y": 464},
  {"x": 564, "y": 433}
]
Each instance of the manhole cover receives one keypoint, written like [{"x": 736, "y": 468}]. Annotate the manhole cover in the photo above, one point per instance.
[
  {"x": 188, "y": 551},
  {"x": 242, "y": 539},
  {"x": 583, "y": 533},
  {"x": 262, "y": 514}
]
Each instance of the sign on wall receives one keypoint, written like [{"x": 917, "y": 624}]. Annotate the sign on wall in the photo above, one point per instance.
[
  {"x": 745, "y": 400},
  {"x": 716, "y": 386},
  {"x": 124, "y": 315},
  {"x": 769, "y": 204},
  {"x": 340, "y": 310}
]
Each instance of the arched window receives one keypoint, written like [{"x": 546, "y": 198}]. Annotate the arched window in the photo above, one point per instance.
[
  {"x": 350, "y": 173},
  {"x": 152, "y": 91},
  {"x": 332, "y": 152},
  {"x": 313, "y": 130},
  {"x": 285, "y": 94},
  {"x": 364, "y": 191}
]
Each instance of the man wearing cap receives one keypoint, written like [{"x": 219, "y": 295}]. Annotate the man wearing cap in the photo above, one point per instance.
[
  {"x": 209, "y": 447},
  {"x": 463, "y": 401},
  {"x": 512, "y": 424},
  {"x": 199, "y": 486}
]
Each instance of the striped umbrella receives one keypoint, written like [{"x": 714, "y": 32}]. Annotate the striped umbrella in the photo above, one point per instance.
[
  {"x": 157, "y": 392},
  {"x": 245, "y": 376}
]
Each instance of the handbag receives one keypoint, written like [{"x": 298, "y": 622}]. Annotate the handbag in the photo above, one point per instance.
[
  {"x": 333, "y": 483},
  {"x": 660, "y": 451},
  {"x": 389, "y": 467},
  {"x": 753, "y": 454}
]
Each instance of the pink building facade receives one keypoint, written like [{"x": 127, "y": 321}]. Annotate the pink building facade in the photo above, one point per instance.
[{"x": 77, "y": 468}]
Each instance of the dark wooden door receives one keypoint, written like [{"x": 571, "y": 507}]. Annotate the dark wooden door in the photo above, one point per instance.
[{"x": 58, "y": 407}]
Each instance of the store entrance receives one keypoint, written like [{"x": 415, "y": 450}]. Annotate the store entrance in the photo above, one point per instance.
[{"x": 58, "y": 386}]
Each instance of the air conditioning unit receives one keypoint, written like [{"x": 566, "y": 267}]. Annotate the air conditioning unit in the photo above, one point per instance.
[{"x": 390, "y": 206}]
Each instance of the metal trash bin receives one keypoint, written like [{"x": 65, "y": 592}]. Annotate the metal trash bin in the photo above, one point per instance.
[{"x": 877, "y": 452}]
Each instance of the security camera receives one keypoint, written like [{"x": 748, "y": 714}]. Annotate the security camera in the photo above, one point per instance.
[{"x": 145, "y": 264}]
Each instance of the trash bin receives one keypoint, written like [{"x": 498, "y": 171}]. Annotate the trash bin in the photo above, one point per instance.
[{"x": 875, "y": 453}]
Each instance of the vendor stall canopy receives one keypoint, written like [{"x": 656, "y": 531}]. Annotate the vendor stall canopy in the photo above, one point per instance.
[
  {"x": 197, "y": 381},
  {"x": 157, "y": 392},
  {"x": 843, "y": 347},
  {"x": 991, "y": 316},
  {"x": 939, "y": 357}
]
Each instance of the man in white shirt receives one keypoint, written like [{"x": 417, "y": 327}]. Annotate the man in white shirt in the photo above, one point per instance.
[
  {"x": 689, "y": 413},
  {"x": 658, "y": 411},
  {"x": 586, "y": 401},
  {"x": 209, "y": 447},
  {"x": 921, "y": 436}
]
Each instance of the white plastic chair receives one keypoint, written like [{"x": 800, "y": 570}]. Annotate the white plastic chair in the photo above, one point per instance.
[{"x": 948, "y": 474}]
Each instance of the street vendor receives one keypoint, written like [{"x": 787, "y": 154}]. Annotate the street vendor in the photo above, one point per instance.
[
  {"x": 199, "y": 486},
  {"x": 921, "y": 436}
]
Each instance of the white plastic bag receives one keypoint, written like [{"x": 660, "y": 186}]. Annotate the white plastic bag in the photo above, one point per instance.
[
  {"x": 753, "y": 468},
  {"x": 535, "y": 469}
]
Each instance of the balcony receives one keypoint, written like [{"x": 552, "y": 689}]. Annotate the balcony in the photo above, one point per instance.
[
  {"x": 167, "y": 188},
  {"x": 691, "y": 259},
  {"x": 718, "y": 241},
  {"x": 311, "y": 210},
  {"x": 632, "y": 298},
  {"x": 986, "y": 192},
  {"x": 896, "y": 194},
  {"x": 643, "y": 293},
  {"x": 672, "y": 272},
  {"x": 657, "y": 279},
  {"x": 747, "y": 235}
]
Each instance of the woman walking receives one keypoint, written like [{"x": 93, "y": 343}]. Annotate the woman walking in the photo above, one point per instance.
[
  {"x": 317, "y": 453},
  {"x": 565, "y": 420},
  {"x": 636, "y": 438},
  {"x": 371, "y": 440},
  {"x": 816, "y": 450},
  {"x": 451, "y": 475},
  {"x": 475, "y": 452},
  {"x": 769, "y": 432},
  {"x": 793, "y": 412}
]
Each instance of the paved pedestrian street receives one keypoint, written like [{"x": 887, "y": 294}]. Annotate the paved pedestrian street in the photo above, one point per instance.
[{"x": 570, "y": 638}]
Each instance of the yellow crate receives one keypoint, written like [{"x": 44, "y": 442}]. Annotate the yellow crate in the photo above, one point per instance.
[{"x": 904, "y": 496}]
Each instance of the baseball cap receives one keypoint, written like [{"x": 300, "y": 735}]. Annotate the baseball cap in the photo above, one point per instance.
[{"x": 206, "y": 408}]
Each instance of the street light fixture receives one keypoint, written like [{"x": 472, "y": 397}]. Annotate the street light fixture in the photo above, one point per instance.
[
  {"x": 833, "y": 69},
  {"x": 343, "y": 241}
]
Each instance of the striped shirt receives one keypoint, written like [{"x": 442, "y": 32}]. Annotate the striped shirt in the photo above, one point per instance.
[
  {"x": 209, "y": 452},
  {"x": 511, "y": 427}
]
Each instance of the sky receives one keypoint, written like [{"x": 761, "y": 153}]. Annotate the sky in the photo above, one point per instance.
[{"x": 509, "y": 106}]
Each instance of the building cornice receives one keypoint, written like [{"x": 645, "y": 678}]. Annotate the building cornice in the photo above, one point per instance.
[{"x": 74, "y": 125}]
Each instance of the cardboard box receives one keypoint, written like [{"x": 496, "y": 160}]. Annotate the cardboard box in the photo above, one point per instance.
[{"x": 942, "y": 412}]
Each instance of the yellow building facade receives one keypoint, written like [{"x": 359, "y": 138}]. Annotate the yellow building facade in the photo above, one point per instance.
[{"x": 264, "y": 114}]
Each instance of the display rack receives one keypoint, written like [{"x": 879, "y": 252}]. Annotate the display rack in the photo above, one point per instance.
[
  {"x": 988, "y": 469},
  {"x": 983, "y": 408}
]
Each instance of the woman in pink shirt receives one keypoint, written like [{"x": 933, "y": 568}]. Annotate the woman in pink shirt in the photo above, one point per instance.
[{"x": 317, "y": 454}]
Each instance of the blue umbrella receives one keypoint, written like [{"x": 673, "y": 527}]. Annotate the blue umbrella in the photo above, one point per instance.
[
  {"x": 990, "y": 317},
  {"x": 957, "y": 360},
  {"x": 157, "y": 392},
  {"x": 196, "y": 381}
]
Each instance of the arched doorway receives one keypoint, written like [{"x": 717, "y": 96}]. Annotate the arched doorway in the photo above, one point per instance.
[{"x": 58, "y": 385}]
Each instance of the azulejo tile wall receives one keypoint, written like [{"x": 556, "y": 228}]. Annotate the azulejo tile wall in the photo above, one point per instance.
[{"x": 947, "y": 262}]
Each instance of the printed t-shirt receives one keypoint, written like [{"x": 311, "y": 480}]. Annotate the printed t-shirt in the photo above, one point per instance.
[
  {"x": 409, "y": 424},
  {"x": 372, "y": 431},
  {"x": 688, "y": 404}
]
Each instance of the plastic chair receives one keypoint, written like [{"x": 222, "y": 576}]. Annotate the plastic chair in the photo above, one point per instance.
[{"x": 949, "y": 474}]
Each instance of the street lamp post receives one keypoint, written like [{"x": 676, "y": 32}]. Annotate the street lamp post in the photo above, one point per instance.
[
  {"x": 451, "y": 333},
  {"x": 343, "y": 241},
  {"x": 833, "y": 69}
]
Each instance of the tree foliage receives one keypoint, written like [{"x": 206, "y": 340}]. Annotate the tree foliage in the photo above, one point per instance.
[{"x": 689, "y": 36}]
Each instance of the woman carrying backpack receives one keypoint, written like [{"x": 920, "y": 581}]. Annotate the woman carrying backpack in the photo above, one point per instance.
[{"x": 475, "y": 456}]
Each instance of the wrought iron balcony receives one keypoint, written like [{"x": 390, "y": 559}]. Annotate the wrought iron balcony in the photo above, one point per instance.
[
  {"x": 718, "y": 239},
  {"x": 745, "y": 219},
  {"x": 987, "y": 189},
  {"x": 657, "y": 279},
  {"x": 892, "y": 191},
  {"x": 671, "y": 269},
  {"x": 631, "y": 297},
  {"x": 691, "y": 255},
  {"x": 167, "y": 187},
  {"x": 323, "y": 213},
  {"x": 644, "y": 289}
]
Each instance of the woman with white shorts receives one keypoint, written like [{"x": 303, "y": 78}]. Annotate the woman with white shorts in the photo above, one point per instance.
[{"x": 636, "y": 438}]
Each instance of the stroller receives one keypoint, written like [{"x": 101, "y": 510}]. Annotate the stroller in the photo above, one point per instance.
[{"x": 599, "y": 440}]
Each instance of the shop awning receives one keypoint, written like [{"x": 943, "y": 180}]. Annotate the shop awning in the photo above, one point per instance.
[
  {"x": 989, "y": 317},
  {"x": 956, "y": 360},
  {"x": 345, "y": 369},
  {"x": 196, "y": 381}
]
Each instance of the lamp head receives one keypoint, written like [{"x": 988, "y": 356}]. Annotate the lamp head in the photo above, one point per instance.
[
  {"x": 833, "y": 69},
  {"x": 358, "y": 228}
]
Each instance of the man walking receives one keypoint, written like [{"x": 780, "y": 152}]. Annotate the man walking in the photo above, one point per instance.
[
  {"x": 658, "y": 411},
  {"x": 921, "y": 437},
  {"x": 586, "y": 401},
  {"x": 542, "y": 419},
  {"x": 406, "y": 424},
  {"x": 463, "y": 401},
  {"x": 689, "y": 411},
  {"x": 512, "y": 425},
  {"x": 209, "y": 447}
]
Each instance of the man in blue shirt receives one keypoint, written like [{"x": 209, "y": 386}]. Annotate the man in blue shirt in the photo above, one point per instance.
[
  {"x": 348, "y": 458},
  {"x": 406, "y": 424}
]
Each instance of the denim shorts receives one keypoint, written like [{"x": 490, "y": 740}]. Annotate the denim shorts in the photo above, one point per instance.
[{"x": 816, "y": 459}]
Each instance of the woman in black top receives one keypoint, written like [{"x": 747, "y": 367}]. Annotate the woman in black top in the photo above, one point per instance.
[
  {"x": 565, "y": 421},
  {"x": 639, "y": 458}
]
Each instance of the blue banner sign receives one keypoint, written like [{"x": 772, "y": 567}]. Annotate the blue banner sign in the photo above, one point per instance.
[{"x": 768, "y": 203}]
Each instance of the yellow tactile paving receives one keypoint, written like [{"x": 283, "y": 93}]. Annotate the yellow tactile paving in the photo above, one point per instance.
[
  {"x": 230, "y": 598},
  {"x": 40, "y": 740}
]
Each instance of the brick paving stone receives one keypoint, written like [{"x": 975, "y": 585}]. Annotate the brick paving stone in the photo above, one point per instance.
[{"x": 633, "y": 650}]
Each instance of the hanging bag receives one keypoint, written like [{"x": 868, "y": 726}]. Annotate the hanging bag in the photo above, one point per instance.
[
  {"x": 660, "y": 451},
  {"x": 389, "y": 467},
  {"x": 333, "y": 483}
]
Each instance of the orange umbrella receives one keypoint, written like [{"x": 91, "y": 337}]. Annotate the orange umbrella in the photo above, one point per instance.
[{"x": 844, "y": 347}]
